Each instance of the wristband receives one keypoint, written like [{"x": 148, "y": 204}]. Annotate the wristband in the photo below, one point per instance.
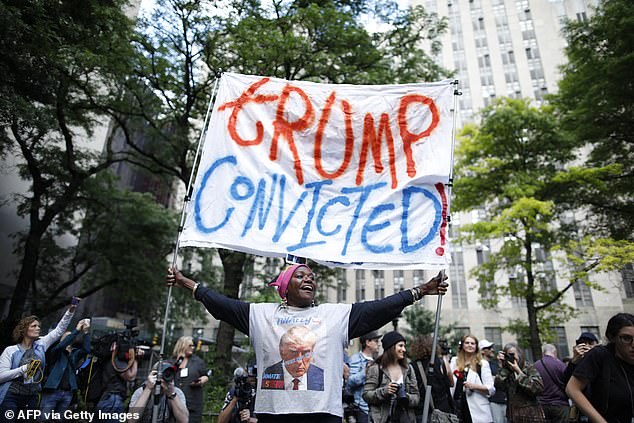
[
  {"x": 172, "y": 396},
  {"x": 416, "y": 293},
  {"x": 194, "y": 290}
]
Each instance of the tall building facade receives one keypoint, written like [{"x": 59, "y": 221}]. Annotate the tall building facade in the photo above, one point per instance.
[
  {"x": 504, "y": 48},
  {"x": 501, "y": 48}
]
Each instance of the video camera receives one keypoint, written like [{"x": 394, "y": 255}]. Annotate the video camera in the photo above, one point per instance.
[
  {"x": 125, "y": 339},
  {"x": 444, "y": 347},
  {"x": 243, "y": 389}
]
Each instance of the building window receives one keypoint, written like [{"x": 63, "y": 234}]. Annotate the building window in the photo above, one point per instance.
[
  {"x": 583, "y": 294},
  {"x": 198, "y": 332},
  {"x": 517, "y": 279},
  {"x": 487, "y": 80},
  {"x": 494, "y": 334},
  {"x": 454, "y": 230},
  {"x": 528, "y": 34},
  {"x": 508, "y": 57},
  {"x": 532, "y": 53},
  {"x": 379, "y": 284},
  {"x": 478, "y": 25},
  {"x": 459, "y": 285},
  {"x": 417, "y": 277},
  {"x": 461, "y": 331},
  {"x": 627, "y": 275},
  {"x": 484, "y": 61},
  {"x": 360, "y": 285},
  {"x": 399, "y": 280},
  {"x": 537, "y": 73},
  {"x": 582, "y": 17},
  {"x": 483, "y": 251},
  {"x": 510, "y": 76},
  {"x": 271, "y": 266},
  {"x": 561, "y": 342},
  {"x": 342, "y": 286}
]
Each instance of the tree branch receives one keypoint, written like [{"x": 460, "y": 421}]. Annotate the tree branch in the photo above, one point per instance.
[
  {"x": 84, "y": 294},
  {"x": 563, "y": 291}
]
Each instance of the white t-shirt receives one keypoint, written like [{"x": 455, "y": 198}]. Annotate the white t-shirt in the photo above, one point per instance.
[{"x": 318, "y": 389}]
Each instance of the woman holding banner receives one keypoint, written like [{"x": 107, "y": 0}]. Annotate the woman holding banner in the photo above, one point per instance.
[{"x": 298, "y": 344}]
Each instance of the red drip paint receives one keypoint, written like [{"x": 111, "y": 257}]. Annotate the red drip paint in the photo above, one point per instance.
[{"x": 443, "y": 226}]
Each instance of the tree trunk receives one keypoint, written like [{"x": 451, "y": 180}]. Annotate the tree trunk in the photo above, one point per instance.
[
  {"x": 233, "y": 266},
  {"x": 535, "y": 341},
  {"x": 23, "y": 284},
  {"x": 533, "y": 328}
]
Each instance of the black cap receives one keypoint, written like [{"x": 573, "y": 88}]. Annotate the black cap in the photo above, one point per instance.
[
  {"x": 587, "y": 336},
  {"x": 391, "y": 338},
  {"x": 370, "y": 335}
]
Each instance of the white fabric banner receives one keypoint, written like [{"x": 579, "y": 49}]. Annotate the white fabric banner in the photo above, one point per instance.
[{"x": 349, "y": 176}]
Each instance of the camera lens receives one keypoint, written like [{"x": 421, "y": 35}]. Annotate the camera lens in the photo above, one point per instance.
[{"x": 168, "y": 371}]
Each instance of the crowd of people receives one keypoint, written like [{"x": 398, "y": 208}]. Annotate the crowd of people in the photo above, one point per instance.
[
  {"x": 306, "y": 376},
  {"x": 47, "y": 368},
  {"x": 481, "y": 385}
]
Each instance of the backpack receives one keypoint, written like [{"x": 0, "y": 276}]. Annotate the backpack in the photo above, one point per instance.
[{"x": 90, "y": 380}]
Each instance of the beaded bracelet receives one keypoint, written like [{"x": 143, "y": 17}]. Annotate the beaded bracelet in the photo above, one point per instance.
[{"x": 416, "y": 293}]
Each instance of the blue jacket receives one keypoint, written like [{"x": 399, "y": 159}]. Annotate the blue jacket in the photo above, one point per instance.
[
  {"x": 358, "y": 363},
  {"x": 60, "y": 361}
]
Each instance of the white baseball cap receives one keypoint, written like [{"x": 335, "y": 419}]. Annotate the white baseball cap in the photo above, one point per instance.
[{"x": 484, "y": 344}]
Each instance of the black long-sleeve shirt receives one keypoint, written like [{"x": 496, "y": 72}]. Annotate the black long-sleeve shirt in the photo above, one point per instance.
[{"x": 364, "y": 317}]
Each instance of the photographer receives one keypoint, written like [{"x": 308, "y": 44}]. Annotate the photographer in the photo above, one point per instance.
[
  {"x": 522, "y": 383},
  {"x": 240, "y": 399},
  {"x": 172, "y": 406},
  {"x": 583, "y": 345},
  {"x": 119, "y": 369}
]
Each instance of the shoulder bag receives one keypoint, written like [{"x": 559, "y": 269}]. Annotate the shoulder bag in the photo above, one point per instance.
[{"x": 436, "y": 416}]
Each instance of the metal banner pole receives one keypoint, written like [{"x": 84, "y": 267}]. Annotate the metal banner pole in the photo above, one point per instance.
[
  {"x": 186, "y": 200},
  {"x": 432, "y": 360}
]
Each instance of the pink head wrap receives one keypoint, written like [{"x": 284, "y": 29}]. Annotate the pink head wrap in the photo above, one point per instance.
[{"x": 281, "y": 282}]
